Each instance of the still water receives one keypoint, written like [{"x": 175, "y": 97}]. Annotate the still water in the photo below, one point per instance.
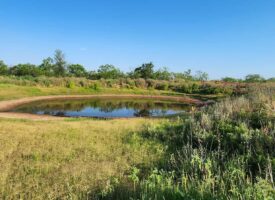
[{"x": 104, "y": 108}]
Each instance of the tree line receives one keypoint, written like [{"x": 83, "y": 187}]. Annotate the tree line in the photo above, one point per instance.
[{"x": 58, "y": 67}]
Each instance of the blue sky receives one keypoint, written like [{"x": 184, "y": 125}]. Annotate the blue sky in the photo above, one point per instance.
[{"x": 221, "y": 37}]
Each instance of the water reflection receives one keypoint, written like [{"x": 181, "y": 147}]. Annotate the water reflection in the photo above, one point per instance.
[{"x": 104, "y": 108}]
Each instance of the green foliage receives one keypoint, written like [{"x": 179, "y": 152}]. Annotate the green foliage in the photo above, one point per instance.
[
  {"x": 57, "y": 67},
  {"x": 92, "y": 75},
  {"x": 252, "y": 78},
  {"x": 77, "y": 70},
  {"x": 108, "y": 72},
  {"x": 230, "y": 79},
  {"x": 145, "y": 71},
  {"x": 185, "y": 75},
  {"x": 162, "y": 74},
  {"x": 70, "y": 84},
  {"x": 201, "y": 76},
  {"x": 162, "y": 86},
  {"x": 3, "y": 68},
  {"x": 95, "y": 86},
  {"x": 225, "y": 151},
  {"x": 60, "y": 63},
  {"x": 47, "y": 67},
  {"x": 134, "y": 176},
  {"x": 130, "y": 83},
  {"x": 25, "y": 70}
]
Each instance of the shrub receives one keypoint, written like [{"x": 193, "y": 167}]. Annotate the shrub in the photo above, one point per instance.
[
  {"x": 151, "y": 83},
  {"x": 162, "y": 85},
  {"x": 140, "y": 83},
  {"x": 95, "y": 86},
  {"x": 70, "y": 84},
  {"x": 225, "y": 151}
]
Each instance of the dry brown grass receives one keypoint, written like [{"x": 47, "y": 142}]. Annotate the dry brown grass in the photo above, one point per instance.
[{"x": 64, "y": 159}]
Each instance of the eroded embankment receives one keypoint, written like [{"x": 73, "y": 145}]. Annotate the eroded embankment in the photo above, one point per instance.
[{"x": 6, "y": 106}]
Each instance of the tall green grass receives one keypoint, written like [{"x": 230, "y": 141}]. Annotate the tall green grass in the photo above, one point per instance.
[{"x": 226, "y": 151}]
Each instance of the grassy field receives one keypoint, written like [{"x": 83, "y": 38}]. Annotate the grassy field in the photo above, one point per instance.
[
  {"x": 69, "y": 158},
  {"x": 224, "y": 151}
]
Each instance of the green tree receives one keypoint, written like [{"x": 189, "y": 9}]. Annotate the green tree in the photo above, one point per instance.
[
  {"x": 93, "y": 75},
  {"x": 77, "y": 70},
  {"x": 109, "y": 72},
  {"x": 201, "y": 76},
  {"x": 60, "y": 63},
  {"x": 3, "y": 68},
  {"x": 25, "y": 70},
  {"x": 187, "y": 75},
  {"x": 254, "y": 78},
  {"x": 230, "y": 79},
  {"x": 162, "y": 74},
  {"x": 47, "y": 67},
  {"x": 145, "y": 71}
]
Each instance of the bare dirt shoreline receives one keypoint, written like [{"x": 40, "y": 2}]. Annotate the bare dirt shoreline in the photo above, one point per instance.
[{"x": 8, "y": 105}]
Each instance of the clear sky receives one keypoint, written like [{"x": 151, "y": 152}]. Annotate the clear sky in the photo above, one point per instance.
[{"x": 221, "y": 37}]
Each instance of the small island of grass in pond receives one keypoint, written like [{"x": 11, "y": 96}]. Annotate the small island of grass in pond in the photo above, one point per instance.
[{"x": 104, "y": 108}]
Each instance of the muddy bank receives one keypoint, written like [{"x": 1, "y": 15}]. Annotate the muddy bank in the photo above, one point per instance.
[{"x": 13, "y": 115}]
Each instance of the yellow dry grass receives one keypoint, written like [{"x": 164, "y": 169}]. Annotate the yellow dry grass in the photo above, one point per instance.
[{"x": 66, "y": 158}]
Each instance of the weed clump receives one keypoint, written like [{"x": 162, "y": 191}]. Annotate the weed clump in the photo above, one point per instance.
[{"x": 225, "y": 151}]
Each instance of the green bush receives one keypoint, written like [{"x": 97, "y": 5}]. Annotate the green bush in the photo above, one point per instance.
[
  {"x": 70, "y": 84},
  {"x": 95, "y": 86},
  {"x": 225, "y": 151},
  {"x": 162, "y": 85}
]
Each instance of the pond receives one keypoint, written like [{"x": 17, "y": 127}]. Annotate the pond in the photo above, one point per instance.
[{"x": 104, "y": 108}]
